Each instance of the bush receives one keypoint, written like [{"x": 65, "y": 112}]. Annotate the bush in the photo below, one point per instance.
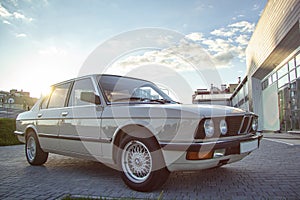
[{"x": 7, "y": 128}]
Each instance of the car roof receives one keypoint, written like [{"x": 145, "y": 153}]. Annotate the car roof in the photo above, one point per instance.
[{"x": 95, "y": 75}]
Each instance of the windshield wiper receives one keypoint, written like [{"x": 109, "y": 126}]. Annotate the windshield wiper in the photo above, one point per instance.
[
  {"x": 162, "y": 101},
  {"x": 145, "y": 100}
]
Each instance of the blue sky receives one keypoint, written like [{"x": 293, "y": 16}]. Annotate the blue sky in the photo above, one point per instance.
[{"x": 46, "y": 41}]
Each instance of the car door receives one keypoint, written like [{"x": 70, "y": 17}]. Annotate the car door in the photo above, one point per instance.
[
  {"x": 80, "y": 127},
  {"x": 49, "y": 117}
]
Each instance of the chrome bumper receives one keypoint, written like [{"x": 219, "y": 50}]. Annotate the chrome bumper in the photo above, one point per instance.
[
  {"x": 175, "y": 154},
  {"x": 218, "y": 144},
  {"x": 19, "y": 133}
]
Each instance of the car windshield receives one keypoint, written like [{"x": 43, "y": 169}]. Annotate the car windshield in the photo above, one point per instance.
[{"x": 123, "y": 89}]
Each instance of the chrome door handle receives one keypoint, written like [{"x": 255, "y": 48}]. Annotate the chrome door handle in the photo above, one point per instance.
[{"x": 64, "y": 113}]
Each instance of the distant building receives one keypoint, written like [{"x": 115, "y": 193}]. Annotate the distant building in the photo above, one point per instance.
[
  {"x": 215, "y": 96},
  {"x": 15, "y": 99}
]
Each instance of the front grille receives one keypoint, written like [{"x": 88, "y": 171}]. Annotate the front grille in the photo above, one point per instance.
[
  {"x": 236, "y": 125},
  {"x": 245, "y": 124},
  {"x": 233, "y": 124}
]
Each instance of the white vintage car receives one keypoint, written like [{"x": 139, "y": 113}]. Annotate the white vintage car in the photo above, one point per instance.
[{"x": 133, "y": 126}]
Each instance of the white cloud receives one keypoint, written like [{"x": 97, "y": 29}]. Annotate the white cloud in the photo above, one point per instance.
[
  {"x": 195, "y": 36},
  {"x": 222, "y": 47},
  {"x": 185, "y": 56},
  {"x": 4, "y": 12},
  {"x": 223, "y": 58},
  {"x": 238, "y": 16},
  {"x": 227, "y": 43},
  {"x": 6, "y": 22},
  {"x": 243, "y": 27},
  {"x": 243, "y": 40},
  {"x": 21, "y": 35},
  {"x": 22, "y": 17},
  {"x": 223, "y": 32}
]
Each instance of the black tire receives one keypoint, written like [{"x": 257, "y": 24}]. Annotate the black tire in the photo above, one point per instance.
[
  {"x": 34, "y": 154},
  {"x": 148, "y": 161}
]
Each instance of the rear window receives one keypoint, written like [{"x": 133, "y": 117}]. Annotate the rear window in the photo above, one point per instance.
[{"x": 59, "y": 96}]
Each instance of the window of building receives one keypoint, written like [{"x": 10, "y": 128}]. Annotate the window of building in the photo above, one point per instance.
[
  {"x": 58, "y": 96},
  {"x": 282, "y": 71},
  {"x": 274, "y": 77},
  {"x": 80, "y": 87},
  {"x": 292, "y": 64},
  {"x": 264, "y": 84},
  {"x": 241, "y": 94},
  {"x": 234, "y": 101},
  {"x": 270, "y": 80},
  {"x": 298, "y": 60},
  {"x": 292, "y": 75},
  {"x": 246, "y": 89},
  {"x": 298, "y": 72},
  {"x": 282, "y": 81}
]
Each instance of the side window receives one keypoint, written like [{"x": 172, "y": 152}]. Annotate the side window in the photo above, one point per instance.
[
  {"x": 83, "y": 93},
  {"x": 44, "y": 102},
  {"x": 58, "y": 96}
]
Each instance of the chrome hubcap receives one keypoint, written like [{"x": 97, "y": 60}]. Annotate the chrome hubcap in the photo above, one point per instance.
[
  {"x": 31, "y": 149},
  {"x": 136, "y": 161}
]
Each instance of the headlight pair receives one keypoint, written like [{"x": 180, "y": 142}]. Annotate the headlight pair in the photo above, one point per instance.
[{"x": 209, "y": 127}]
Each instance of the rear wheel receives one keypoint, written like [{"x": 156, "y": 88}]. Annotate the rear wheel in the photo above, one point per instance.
[
  {"x": 34, "y": 154},
  {"x": 142, "y": 164}
]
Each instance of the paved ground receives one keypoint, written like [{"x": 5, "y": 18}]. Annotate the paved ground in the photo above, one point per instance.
[
  {"x": 272, "y": 172},
  {"x": 289, "y": 139}
]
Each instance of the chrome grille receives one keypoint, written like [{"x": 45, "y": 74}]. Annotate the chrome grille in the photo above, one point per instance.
[{"x": 236, "y": 125}]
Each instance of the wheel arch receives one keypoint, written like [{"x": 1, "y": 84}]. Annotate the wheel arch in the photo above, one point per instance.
[
  {"x": 29, "y": 129},
  {"x": 132, "y": 130}
]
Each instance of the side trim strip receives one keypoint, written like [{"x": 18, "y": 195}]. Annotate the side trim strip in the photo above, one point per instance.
[{"x": 76, "y": 138}]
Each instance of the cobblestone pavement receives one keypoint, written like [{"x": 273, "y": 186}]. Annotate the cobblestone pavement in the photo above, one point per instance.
[{"x": 271, "y": 172}]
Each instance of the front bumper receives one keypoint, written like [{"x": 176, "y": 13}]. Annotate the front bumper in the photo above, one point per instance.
[
  {"x": 20, "y": 135},
  {"x": 234, "y": 149},
  {"x": 218, "y": 144}
]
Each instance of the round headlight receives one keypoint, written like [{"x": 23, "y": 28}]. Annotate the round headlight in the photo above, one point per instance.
[
  {"x": 254, "y": 124},
  {"x": 209, "y": 127},
  {"x": 223, "y": 127}
]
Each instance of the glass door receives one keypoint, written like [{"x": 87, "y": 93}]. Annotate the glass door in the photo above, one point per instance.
[
  {"x": 295, "y": 105},
  {"x": 284, "y": 108}
]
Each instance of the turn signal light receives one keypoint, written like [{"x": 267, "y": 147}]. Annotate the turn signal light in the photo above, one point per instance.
[{"x": 191, "y": 155}]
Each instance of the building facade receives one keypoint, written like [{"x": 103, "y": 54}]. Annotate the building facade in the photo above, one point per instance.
[
  {"x": 272, "y": 86},
  {"x": 214, "y": 96},
  {"x": 15, "y": 99}
]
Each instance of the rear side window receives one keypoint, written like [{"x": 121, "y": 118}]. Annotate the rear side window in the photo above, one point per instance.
[
  {"x": 59, "y": 95},
  {"x": 80, "y": 88}
]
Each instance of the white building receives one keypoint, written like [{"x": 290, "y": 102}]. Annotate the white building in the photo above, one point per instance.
[{"x": 272, "y": 86}]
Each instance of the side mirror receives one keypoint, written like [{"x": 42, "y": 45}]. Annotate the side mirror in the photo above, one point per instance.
[{"x": 90, "y": 97}]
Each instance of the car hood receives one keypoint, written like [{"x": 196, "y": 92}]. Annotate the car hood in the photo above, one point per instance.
[{"x": 171, "y": 111}]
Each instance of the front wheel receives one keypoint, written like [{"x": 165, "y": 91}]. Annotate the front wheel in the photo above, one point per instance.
[
  {"x": 142, "y": 164},
  {"x": 34, "y": 154}
]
